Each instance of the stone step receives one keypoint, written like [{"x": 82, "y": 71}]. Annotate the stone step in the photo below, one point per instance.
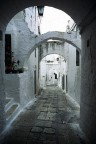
[
  {"x": 12, "y": 112},
  {"x": 9, "y": 102}
]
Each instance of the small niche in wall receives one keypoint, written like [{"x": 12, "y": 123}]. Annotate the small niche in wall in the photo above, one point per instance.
[
  {"x": 35, "y": 52},
  {"x": 1, "y": 35},
  {"x": 88, "y": 43},
  {"x": 77, "y": 58},
  {"x": 63, "y": 81},
  {"x": 66, "y": 84},
  {"x": 34, "y": 81}
]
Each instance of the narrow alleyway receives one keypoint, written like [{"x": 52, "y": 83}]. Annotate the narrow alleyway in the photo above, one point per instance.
[{"x": 51, "y": 120}]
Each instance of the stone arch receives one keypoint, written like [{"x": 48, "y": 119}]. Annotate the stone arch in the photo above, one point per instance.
[
  {"x": 10, "y": 8},
  {"x": 65, "y": 37},
  {"x": 53, "y": 47}
]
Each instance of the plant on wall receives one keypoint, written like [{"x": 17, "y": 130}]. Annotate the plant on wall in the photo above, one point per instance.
[{"x": 16, "y": 68}]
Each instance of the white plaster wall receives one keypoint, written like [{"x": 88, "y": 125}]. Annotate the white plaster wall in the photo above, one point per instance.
[
  {"x": 32, "y": 66},
  {"x": 78, "y": 84},
  {"x": 12, "y": 84},
  {"x": 32, "y": 19},
  {"x": 26, "y": 88},
  {"x": 62, "y": 71},
  {"x": 73, "y": 73},
  {"x": 20, "y": 35},
  {"x": 42, "y": 78},
  {"x": 21, "y": 86},
  {"x": 37, "y": 72}
]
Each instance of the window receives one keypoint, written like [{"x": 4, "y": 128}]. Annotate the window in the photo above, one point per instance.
[{"x": 8, "y": 57}]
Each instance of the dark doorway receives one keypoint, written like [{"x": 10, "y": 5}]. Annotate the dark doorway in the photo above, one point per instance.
[
  {"x": 34, "y": 81},
  {"x": 66, "y": 84},
  {"x": 77, "y": 58},
  {"x": 55, "y": 75},
  {"x": 63, "y": 80}
]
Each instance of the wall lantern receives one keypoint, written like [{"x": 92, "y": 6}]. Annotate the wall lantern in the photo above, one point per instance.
[{"x": 40, "y": 10}]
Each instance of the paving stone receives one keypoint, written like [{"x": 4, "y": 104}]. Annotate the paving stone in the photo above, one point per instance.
[
  {"x": 62, "y": 140},
  {"x": 33, "y": 136},
  {"x": 62, "y": 108},
  {"x": 44, "y": 109},
  {"x": 52, "y": 110},
  {"x": 39, "y": 123},
  {"x": 42, "y": 115},
  {"x": 51, "y": 116},
  {"x": 49, "y": 142},
  {"x": 34, "y": 142},
  {"x": 48, "y": 124},
  {"x": 49, "y": 130},
  {"x": 47, "y": 137},
  {"x": 37, "y": 129}
]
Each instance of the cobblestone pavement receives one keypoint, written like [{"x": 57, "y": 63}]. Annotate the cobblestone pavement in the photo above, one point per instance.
[{"x": 51, "y": 120}]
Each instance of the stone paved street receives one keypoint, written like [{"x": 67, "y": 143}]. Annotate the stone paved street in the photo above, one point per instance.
[{"x": 51, "y": 120}]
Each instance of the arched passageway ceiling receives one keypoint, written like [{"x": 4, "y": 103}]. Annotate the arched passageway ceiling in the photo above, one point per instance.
[{"x": 77, "y": 9}]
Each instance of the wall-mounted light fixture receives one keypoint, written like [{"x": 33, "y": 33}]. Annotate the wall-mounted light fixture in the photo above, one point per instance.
[{"x": 40, "y": 10}]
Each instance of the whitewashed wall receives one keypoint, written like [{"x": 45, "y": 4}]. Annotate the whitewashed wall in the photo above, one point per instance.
[
  {"x": 42, "y": 77},
  {"x": 21, "y": 87},
  {"x": 26, "y": 88},
  {"x": 32, "y": 19},
  {"x": 73, "y": 74},
  {"x": 12, "y": 84},
  {"x": 33, "y": 64}
]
